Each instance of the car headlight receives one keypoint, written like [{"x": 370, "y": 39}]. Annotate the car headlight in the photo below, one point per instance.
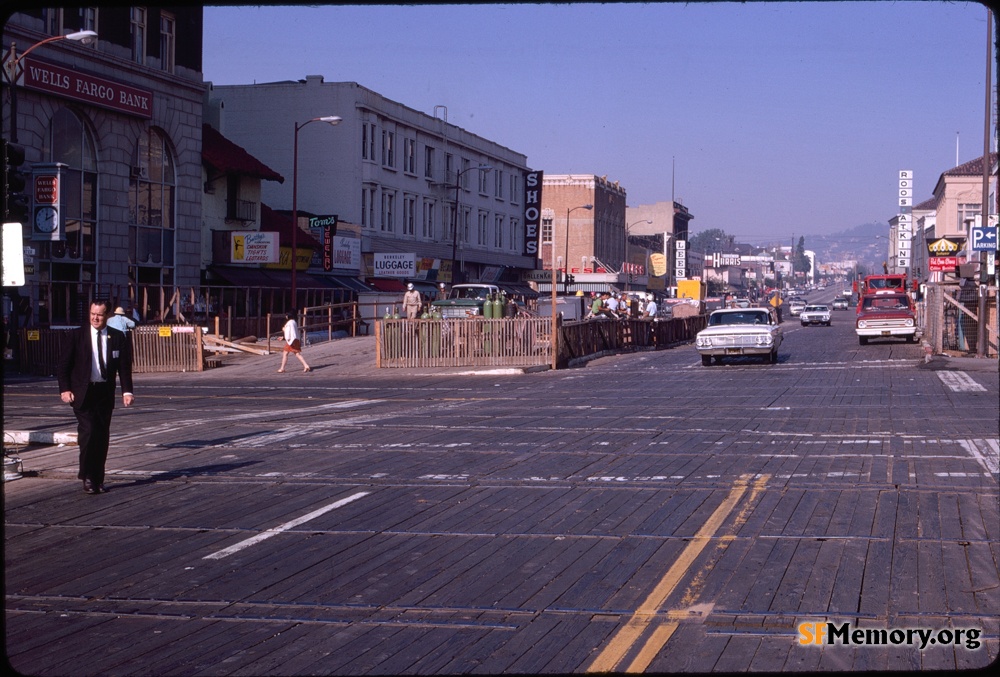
[
  {"x": 862, "y": 324},
  {"x": 764, "y": 340},
  {"x": 909, "y": 323}
]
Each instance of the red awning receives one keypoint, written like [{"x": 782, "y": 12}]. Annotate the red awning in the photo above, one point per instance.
[
  {"x": 381, "y": 284},
  {"x": 219, "y": 152}
]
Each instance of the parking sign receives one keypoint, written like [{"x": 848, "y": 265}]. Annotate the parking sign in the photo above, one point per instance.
[{"x": 984, "y": 238}]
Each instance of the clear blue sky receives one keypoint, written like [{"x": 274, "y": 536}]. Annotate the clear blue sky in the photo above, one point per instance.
[{"x": 780, "y": 118}]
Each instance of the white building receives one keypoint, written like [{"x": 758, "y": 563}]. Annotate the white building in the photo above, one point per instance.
[{"x": 394, "y": 170}]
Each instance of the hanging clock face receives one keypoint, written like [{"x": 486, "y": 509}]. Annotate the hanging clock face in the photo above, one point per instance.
[{"x": 46, "y": 219}]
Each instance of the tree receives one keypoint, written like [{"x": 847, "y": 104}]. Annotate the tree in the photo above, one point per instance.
[
  {"x": 711, "y": 240},
  {"x": 800, "y": 262}
]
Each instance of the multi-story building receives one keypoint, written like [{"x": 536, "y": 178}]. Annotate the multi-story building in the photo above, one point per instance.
[
  {"x": 949, "y": 214},
  {"x": 581, "y": 240},
  {"x": 420, "y": 188},
  {"x": 661, "y": 227},
  {"x": 112, "y": 137}
]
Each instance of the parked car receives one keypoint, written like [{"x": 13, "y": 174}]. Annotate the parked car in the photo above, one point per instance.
[
  {"x": 466, "y": 300},
  {"x": 815, "y": 314},
  {"x": 739, "y": 331},
  {"x": 795, "y": 307},
  {"x": 840, "y": 303}
]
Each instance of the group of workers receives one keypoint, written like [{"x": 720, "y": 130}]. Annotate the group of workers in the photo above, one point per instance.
[{"x": 622, "y": 306}]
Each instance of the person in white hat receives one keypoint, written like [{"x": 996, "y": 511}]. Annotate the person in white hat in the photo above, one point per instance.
[
  {"x": 120, "y": 321},
  {"x": 412, "y": 302}
]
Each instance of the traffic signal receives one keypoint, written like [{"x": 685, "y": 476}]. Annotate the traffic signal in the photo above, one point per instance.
[
  {"x": 570, "y": 279},
  {"x": 14, "y": 180}
]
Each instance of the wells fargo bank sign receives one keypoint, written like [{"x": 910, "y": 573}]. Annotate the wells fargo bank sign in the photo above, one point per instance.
[{"x": 42, "y": 76}]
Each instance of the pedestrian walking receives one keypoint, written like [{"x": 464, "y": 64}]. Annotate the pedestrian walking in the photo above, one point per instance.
[
  {"x": 95, "y": 355},
  {"x": 412, "y": 302},
  {"x": 293, "y": 343}
]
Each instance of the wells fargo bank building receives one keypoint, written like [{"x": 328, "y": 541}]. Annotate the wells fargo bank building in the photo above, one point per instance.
[{"x": 111, "y": 133}]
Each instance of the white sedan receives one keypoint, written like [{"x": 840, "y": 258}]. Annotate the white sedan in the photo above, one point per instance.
[
  {"x": 733, "y": 332},
  {"x": 815, "y": 314}
]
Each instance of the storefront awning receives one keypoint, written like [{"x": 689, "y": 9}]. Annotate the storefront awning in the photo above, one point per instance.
[
  {"x": 282, "y": 279},
  {"x": 394, "y": 285},
  {"x": 517, "y": 290}
]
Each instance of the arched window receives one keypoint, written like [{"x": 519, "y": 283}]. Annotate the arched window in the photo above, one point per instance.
[
  {"x": 69, "y": 262},
  {"x": 152, "y": 188},
  {"x": 71, "y": 143}
]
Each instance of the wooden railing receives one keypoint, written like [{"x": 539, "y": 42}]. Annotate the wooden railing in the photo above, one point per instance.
[
  {"x": 327, "y": 318},
  {"x": 586, "y": 338},
  {"x": 519, "y": 341}
]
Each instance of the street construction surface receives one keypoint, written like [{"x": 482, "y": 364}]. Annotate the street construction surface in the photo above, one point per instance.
[{"x": 835, "y": 511}]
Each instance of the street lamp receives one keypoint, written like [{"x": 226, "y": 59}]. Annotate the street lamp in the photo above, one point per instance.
[
  {"x": 566, "y": 257},
  {"x": 555, "y": 341},
  {"x": 628, "y": 229},
  {"x": 13, "y": 62},
  {"x": 454, "y": 218},
  {"x": 330, "y": 120}
]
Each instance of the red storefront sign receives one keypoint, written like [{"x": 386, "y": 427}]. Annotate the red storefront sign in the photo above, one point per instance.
[
  {"x": 47, "y": 189},
  {"x": 942, "y": 263},
  {"x": 71, "y": 84}
]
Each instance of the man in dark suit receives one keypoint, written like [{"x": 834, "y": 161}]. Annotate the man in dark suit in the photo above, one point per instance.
[{"x": 86, "y": 373}]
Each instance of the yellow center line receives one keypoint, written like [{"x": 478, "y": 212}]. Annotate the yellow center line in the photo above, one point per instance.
[{"x": 630, "y": 633}]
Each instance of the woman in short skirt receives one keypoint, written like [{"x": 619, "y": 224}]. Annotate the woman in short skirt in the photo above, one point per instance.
[{"x": 293, "y": 343}]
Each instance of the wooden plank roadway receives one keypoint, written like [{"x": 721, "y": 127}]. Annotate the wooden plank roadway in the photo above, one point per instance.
[{"x": 521, "y": 524}]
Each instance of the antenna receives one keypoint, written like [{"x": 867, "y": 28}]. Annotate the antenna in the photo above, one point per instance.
[{"x": 956, "y": 149}]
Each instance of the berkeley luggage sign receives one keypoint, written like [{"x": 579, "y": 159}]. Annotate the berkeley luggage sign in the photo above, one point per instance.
[{"x": 395, "y": 265}]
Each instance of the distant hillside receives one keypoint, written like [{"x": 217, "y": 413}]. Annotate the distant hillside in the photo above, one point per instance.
[{"x": 859, "y": 242}]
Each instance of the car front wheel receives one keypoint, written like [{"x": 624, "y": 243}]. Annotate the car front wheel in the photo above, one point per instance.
[{"x": 706, "y": 360}]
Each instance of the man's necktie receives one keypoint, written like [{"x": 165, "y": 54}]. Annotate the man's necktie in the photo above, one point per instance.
[{"x": 100, "y": 357}]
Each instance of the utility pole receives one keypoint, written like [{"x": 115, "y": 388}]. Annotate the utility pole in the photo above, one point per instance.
[{"x": 984, "y": 289}]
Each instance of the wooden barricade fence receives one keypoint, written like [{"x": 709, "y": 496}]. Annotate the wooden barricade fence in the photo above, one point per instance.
[
  {"x": 164, "y": 348},
  {"x": 476, "y": 342},
  {"x": 466, "y": 342}
]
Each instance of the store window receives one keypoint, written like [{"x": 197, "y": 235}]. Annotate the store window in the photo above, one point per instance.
[
  {"x": 168, "y": 42},
  {"x": 71, "y": 264},
  {"x": 137, "y": 29},
  {"x": 152, "y": 188}
]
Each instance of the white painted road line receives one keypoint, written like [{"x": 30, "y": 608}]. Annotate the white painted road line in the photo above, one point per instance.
[
  {"x": 264, "y": 535},
  {"x": 986, "y": 452},
  {"x": 960, "y": 382}
]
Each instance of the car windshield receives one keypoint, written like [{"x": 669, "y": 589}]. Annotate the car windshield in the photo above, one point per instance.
[
  {"x": 719, "y": 319},
  {"x": 890, "y": 302},
  {"x": 470, "y": 293},
  {"x": 815, "y": 309}
]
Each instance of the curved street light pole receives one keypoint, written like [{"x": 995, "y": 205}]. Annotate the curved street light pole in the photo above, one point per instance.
[
  {"x": 454, "y": 219},
  {"x": 566, "y": 253},
  {"x": 13, "y": 62},
  {"x": 555, "y": 324},
  {"x": 628, "y": 229},
  {"x": 330, "y": 120}
]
